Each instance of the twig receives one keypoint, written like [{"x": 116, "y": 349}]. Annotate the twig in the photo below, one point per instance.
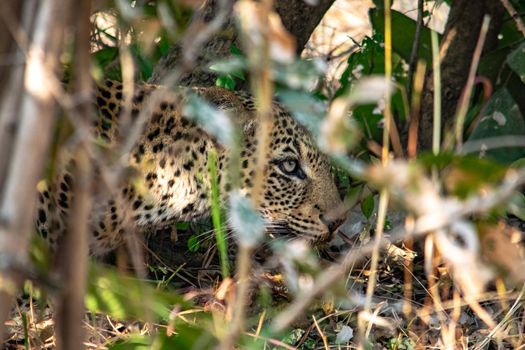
[
  {"x": 515, "y": 307},
  {"x": 415, "y": 48},
  {"x": 515, "y": 16},
  {"x": 415, "y": 110},
  {"x": 467, "y": 91}
]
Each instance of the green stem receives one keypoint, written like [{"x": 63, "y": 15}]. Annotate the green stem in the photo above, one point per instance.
[{"x": 222, "y": 245}]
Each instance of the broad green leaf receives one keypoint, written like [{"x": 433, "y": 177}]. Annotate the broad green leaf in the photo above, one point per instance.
[
  {"x": 516, "y": 61},
  {"x": 105, "y": 56},
  {"x": 403, "y": 34},
  {"x": 142, "y": 62},
  {"x": 501, "y": 119}
]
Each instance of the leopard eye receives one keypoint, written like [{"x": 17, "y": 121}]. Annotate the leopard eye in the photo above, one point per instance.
[{"x": 289, "y": 166}]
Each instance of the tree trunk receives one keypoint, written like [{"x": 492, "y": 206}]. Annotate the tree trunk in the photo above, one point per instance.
[
  {"x": 298, "y": 17},
  {"x": 461, "y": 34}
]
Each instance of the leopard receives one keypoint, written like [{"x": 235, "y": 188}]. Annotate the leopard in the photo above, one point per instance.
[{"x": 170, "y": 162}]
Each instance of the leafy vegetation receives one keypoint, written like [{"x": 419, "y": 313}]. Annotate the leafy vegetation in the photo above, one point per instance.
[{"x": 454, "y": 286}]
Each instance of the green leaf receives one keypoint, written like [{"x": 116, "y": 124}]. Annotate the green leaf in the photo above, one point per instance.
[
  {"x": 367, "y": 206},
  {"x": 105, "y": 56},
  {"x": 516, "y": 61},
  {"x": 182, "y": 225},
  {"x": 128, "y": 298},
  {"x": 143, "y": 63},
  {"x": 463, "y": 174},
  {"x": 186, "y": 337},
  {"x": 403, "y": 34},
  {"x": 501, "y": 118},
  {"x": 234, "y": 50},
  {"x": 226, "y": 82},
  {"x": 193, "y": 243}
]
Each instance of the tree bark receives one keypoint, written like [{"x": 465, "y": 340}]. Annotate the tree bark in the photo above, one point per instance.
[
  {"x": 299, "y": 18},
  {"x": 461, "y": 34}
]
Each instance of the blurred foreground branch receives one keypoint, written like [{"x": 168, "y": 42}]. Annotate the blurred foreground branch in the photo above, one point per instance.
[
  {"x": 30, "y": 145},
  {"x": 73, "y": 253}
]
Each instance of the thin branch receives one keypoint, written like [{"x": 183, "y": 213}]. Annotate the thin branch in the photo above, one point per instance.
[
  {"x": 415, "y": 48},
  {"x": 515, "y": 16},
  {"x": 467, "y": 91}
]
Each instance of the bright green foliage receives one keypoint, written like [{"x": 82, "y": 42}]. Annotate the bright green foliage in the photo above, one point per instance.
[
  {"x": 403, "y": 34},
  {"x": 370, "y": 60},
  {"x": 127, "y": 297},
  {"x": 367, "y": 206},
  {"x": 187, "y": 337},
  {"x": 222, "y": 244}
]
